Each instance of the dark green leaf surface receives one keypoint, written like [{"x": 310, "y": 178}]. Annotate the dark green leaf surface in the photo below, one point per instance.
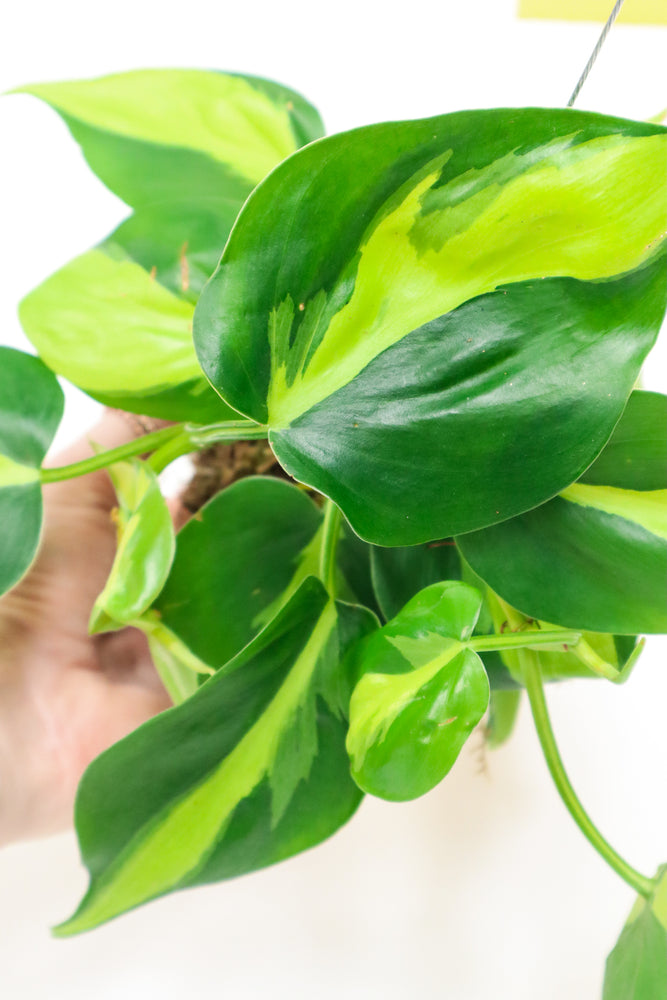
[
  {"x": 400, "y": 573},
  {"x": 233, "y": 561},
  {"x": 461, "y": 297},
  {"x": 637, "y": 967},
  {"x": 31, "y": 405},
  {"x": 420, "y": 694},
  {"x": 184, "y": 148},
  {"x": 249, "y": 770},
  {"x": 594, "y": 558}
]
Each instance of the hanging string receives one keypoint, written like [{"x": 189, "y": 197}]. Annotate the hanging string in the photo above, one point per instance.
[{"x": 596, "y": 51}]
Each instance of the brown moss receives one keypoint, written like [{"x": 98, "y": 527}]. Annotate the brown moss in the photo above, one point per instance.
[{"x": 223, "y": 464}]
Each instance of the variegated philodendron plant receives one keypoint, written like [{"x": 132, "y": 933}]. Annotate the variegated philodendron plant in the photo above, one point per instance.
[{"x": 438, "y": 326}]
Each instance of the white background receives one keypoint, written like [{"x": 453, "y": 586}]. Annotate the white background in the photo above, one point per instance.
[{"x": 484, "y": 888}]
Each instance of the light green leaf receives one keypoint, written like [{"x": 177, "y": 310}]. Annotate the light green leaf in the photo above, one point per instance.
[
  {"x": 31, "y": 405},
  {"x": 152, "y": 135},
  {"x": 184, "y": 148},
  {"x": 145, "y": 548},
  {"x": 456, "y": 283}
]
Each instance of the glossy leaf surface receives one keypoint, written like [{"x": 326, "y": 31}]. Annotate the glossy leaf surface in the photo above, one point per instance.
[
  {"x": 461, "y": 297},
  {"x": 595, "y": 557},
  {"x": 145, "y": 547},
  {"x": 184, "y": 148},
  {"x": 637, "y": 967},
  {"x": 31, "y": 405},
  {"x": 249, "y": 770},
  {"x": 421, "y": 694},
  {"x": 234, "y": 561}
]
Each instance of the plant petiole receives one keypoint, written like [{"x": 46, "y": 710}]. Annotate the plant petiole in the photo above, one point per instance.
[
  {"x": 141, "y": 445},
  {"x": 166, "y": 444},
  {"x": 522, "y": 640},
  {"x": 228, "y": 430},
  {"x": 532, "y": 678},
  {"x": 330, "y": 536}
]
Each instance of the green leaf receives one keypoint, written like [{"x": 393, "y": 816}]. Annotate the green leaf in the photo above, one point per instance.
[
  {"x": 237, "y": 558},
  {"x": 421, "y": 311},
  {"x": 145, "y": 548},
  {"x": 250, "y": 770},
  {"x": 636, "y": 969},
  {"x": 171, "y": 135},
  {"x": 503, "y": 712},
  {"x": 184, "y": 148},
  {"x": 31, "y": 406},
  {"x": 177, "y": 665},
  {"x": 354, "y": 558},
  {"x": 106, "y": 325},
  {"x": 400, "y": 573},
  {"x": 595, "y": 557},
  {"x": 421, "y": 694}
]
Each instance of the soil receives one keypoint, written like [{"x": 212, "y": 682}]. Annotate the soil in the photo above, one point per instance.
[{"x": 223, "y": 464}]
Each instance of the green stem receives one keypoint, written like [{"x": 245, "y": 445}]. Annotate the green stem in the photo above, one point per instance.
[
  {"x": 521, "y": 640},
  {"x": 228, "y": 430},
  {"x": 168, "y": 444},
  {"x": 330, "y": 536},
  {"x": 532, "y": 678},
  {"x": 149, "y": 442},
  {"x": 169, "y": 452}
]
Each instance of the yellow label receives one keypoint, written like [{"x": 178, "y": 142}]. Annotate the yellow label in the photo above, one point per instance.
[{"x": 632, "y": 12}]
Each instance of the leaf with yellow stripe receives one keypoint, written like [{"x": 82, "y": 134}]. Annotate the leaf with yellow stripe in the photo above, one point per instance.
[
  {"x": 145, "y": 548},
  {"x": 183, "y": 148},
  {"x": 31, "y": 405},
  {"x": 421, "y": 693},
  {"x": 249, "y": 770},
  {"x": 595, "y": 557},
  {"x": 421, "y": 311}
]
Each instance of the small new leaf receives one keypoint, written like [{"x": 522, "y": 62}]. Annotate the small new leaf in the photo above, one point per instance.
[{"x": 421, "y": 694}]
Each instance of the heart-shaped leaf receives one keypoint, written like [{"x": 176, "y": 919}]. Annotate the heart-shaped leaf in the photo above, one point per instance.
[
  {"x": 31, "y": 406},
  {"x": 250, "y": 770},
  {"x": 184, "y": 148},
  {"x": 421, "y": 694},
  {"x": 594, "y": 558},
  {"x": 421, "y": 311}
]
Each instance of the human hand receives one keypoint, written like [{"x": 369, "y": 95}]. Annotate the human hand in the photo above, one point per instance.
[{"x": 64, "y": 695}]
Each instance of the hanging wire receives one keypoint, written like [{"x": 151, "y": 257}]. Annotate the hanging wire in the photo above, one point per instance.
[{"x": 596, "y": 51}]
